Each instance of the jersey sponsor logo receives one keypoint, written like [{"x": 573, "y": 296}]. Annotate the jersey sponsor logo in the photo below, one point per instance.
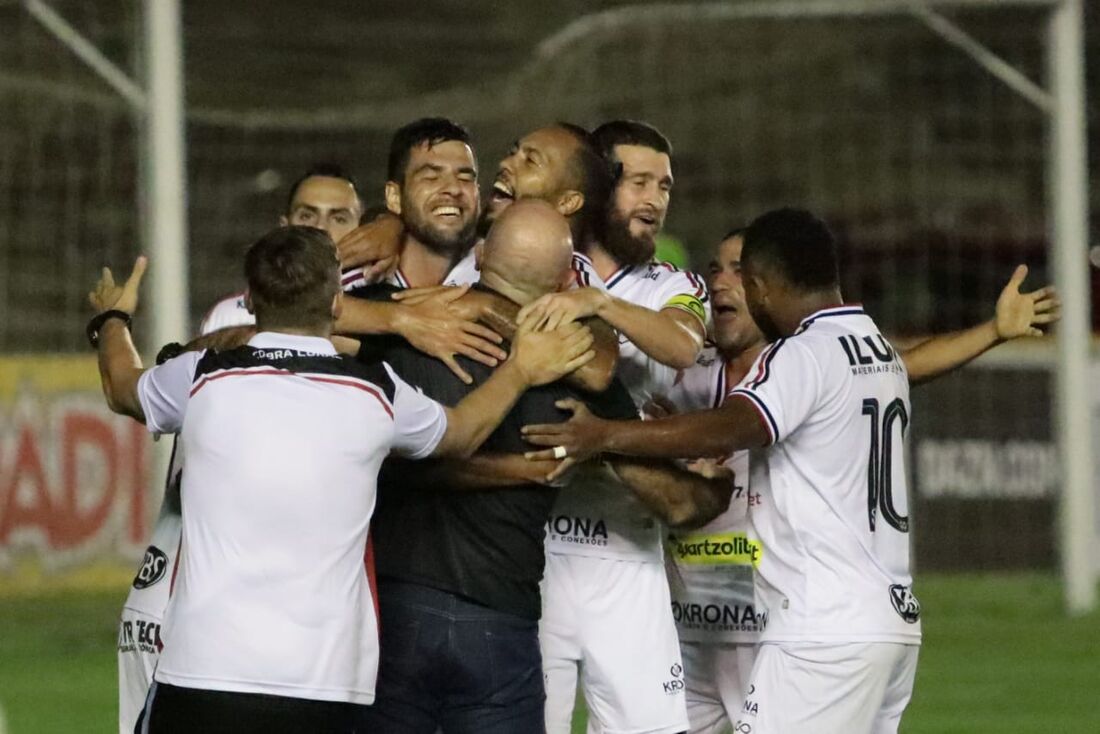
[
  {"x": 719, "y": 549},
  {"x": 719, "y": 617},
  {"x": 139, "y": 635},
  {"x": 153, "y": 567},
  {"x": 905, "y": 604},
  {"x": 688, "y": 303},
  {"x": 875, "y": 356},
  {"x": 675, "y": 684},
  {"x": 577, "y": 530}
]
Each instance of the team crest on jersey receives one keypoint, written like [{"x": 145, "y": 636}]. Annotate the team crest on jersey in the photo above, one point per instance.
[
  {"x": 153, "y": 568},
  {"x": 905, "y": 604}
]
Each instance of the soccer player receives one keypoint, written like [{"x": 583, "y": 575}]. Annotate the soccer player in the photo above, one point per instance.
[
  {"x": 826, "y": 406},
  {"x": 605, "y": 579},
  {"x": 560, "y": 165},
  {"x": 282, "y": 462},
  {"x": 711, "y": 569},
  {"x": 324, "y": 197}
]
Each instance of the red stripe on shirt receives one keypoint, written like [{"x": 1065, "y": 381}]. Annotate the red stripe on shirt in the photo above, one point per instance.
[{"x": 286, "y": 373}]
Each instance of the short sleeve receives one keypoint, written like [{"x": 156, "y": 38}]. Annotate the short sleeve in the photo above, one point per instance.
[
  {"x": 685, "y": 291},
  {"x": 164, "y": 391},
  {"x": 419, "y": 421},
  {"x": 784, "y": 385}
]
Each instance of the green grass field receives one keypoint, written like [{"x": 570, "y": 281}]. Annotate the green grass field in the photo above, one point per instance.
[{"x": 998, "y": 658}]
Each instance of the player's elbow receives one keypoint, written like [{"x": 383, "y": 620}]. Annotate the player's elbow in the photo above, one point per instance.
[
  {"x": 682, "y": 352},
  {"x": 706, "y": 504}
]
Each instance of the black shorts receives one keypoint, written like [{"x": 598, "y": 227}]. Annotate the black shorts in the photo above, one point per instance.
[{"x": 176, "y": 710}]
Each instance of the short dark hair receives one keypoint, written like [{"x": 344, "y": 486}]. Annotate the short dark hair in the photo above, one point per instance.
[
  {"x": 430, "y": 130},
  {"x": 592, "y": 177},
  {"x": 795, "y": 243},
  {"x": 733, "y": 232},
  {"x": 327, "y": 170},
  {"x": 292, "y": 275},
  {"x": 627, "y": 132}
]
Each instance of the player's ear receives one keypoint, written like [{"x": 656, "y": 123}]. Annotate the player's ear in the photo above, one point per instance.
[
  {"x": 337, "y": 305},
  {"x": 283, "y": 221},
  {"x": 393, "y": 197},
  {"x": 569, "y": 203},
  {"x": 248, "y": 302}
]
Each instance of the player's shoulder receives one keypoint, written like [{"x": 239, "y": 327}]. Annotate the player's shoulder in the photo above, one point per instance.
[
  {"x": 229, "y": 311},
  {"x": 658, "y": 285},
  {"x": 584, "y": 272}
]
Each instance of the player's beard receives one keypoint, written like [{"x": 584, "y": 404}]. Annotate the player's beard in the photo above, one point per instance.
[
  {"x": 437, "y": 239},
  {"x": 622, "y": 245}
]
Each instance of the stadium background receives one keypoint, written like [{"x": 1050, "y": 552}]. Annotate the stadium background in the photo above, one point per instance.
[{"x": 930, "y": 170}]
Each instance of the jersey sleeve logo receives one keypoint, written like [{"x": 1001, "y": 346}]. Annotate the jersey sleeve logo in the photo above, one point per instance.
[{"x": 153, "y": 567}]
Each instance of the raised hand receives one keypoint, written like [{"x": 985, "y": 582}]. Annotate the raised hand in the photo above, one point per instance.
[
  {"x": 107, "y": 295},
  {"x": 555, "y": 309},
  {"x": 545, "y": 356},
  {"x": 376, "y": 246},
  {"x": 1022, "y": 314},
  {"x": 432, "y": 323}
]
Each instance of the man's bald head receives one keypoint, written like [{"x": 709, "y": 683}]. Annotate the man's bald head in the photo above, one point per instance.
[{"x": 528, "y": 253}]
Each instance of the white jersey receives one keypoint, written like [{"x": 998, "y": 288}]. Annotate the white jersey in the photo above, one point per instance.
[
  {"x": 655, "y": 286},
  {"x": 284, "y": 440},
  {"x": 229, "y": 311},
  {"x": 833, "y": 520},
  {"x": 712, "y": 567},
  {"x": 595, "y": 515}
]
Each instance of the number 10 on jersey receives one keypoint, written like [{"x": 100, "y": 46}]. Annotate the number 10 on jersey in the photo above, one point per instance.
[{"x": 880, "y": 461}]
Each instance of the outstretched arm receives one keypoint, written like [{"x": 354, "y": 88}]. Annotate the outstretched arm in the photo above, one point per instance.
[
  {"x": 736, "y": 425},
  {"x": 672, "y": 336},
  {"x": 682, "y": 498},
  {"x": 537, "y": 358},
  {"x": 1017, "y": 315},
  {"x": 499, "y": 314},
  {"x": 430, "y": 325}
]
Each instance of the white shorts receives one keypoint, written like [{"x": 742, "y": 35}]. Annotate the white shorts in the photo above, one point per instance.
[
  {"x": 851, "y": 688},
  {"x": 612, "y": 620},
  {"x": 138, "y": 652},
  {"x": 717, "y": 675}
]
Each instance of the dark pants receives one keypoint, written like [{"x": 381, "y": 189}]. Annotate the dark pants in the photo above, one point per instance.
[
  {"x": 452, "y": 665},
  {"x": 176, "y": 710}
]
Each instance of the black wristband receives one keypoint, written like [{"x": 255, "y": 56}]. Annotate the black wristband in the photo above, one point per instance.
[{"x": 99, "y": 320}]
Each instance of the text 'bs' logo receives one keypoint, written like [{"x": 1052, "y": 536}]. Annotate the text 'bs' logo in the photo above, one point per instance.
[
  {"x": 905, "y": 604},
  {"x": 153, "y": 568}
]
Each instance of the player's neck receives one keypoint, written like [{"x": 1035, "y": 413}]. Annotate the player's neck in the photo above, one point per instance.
[
  {"x": 605, "y": 264},
  {"x": 422, "y": 266},
  {"x": 322, "y": 331},
  {"x": 804, "y": 305},
  {"x": 739, "y": 361}
]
